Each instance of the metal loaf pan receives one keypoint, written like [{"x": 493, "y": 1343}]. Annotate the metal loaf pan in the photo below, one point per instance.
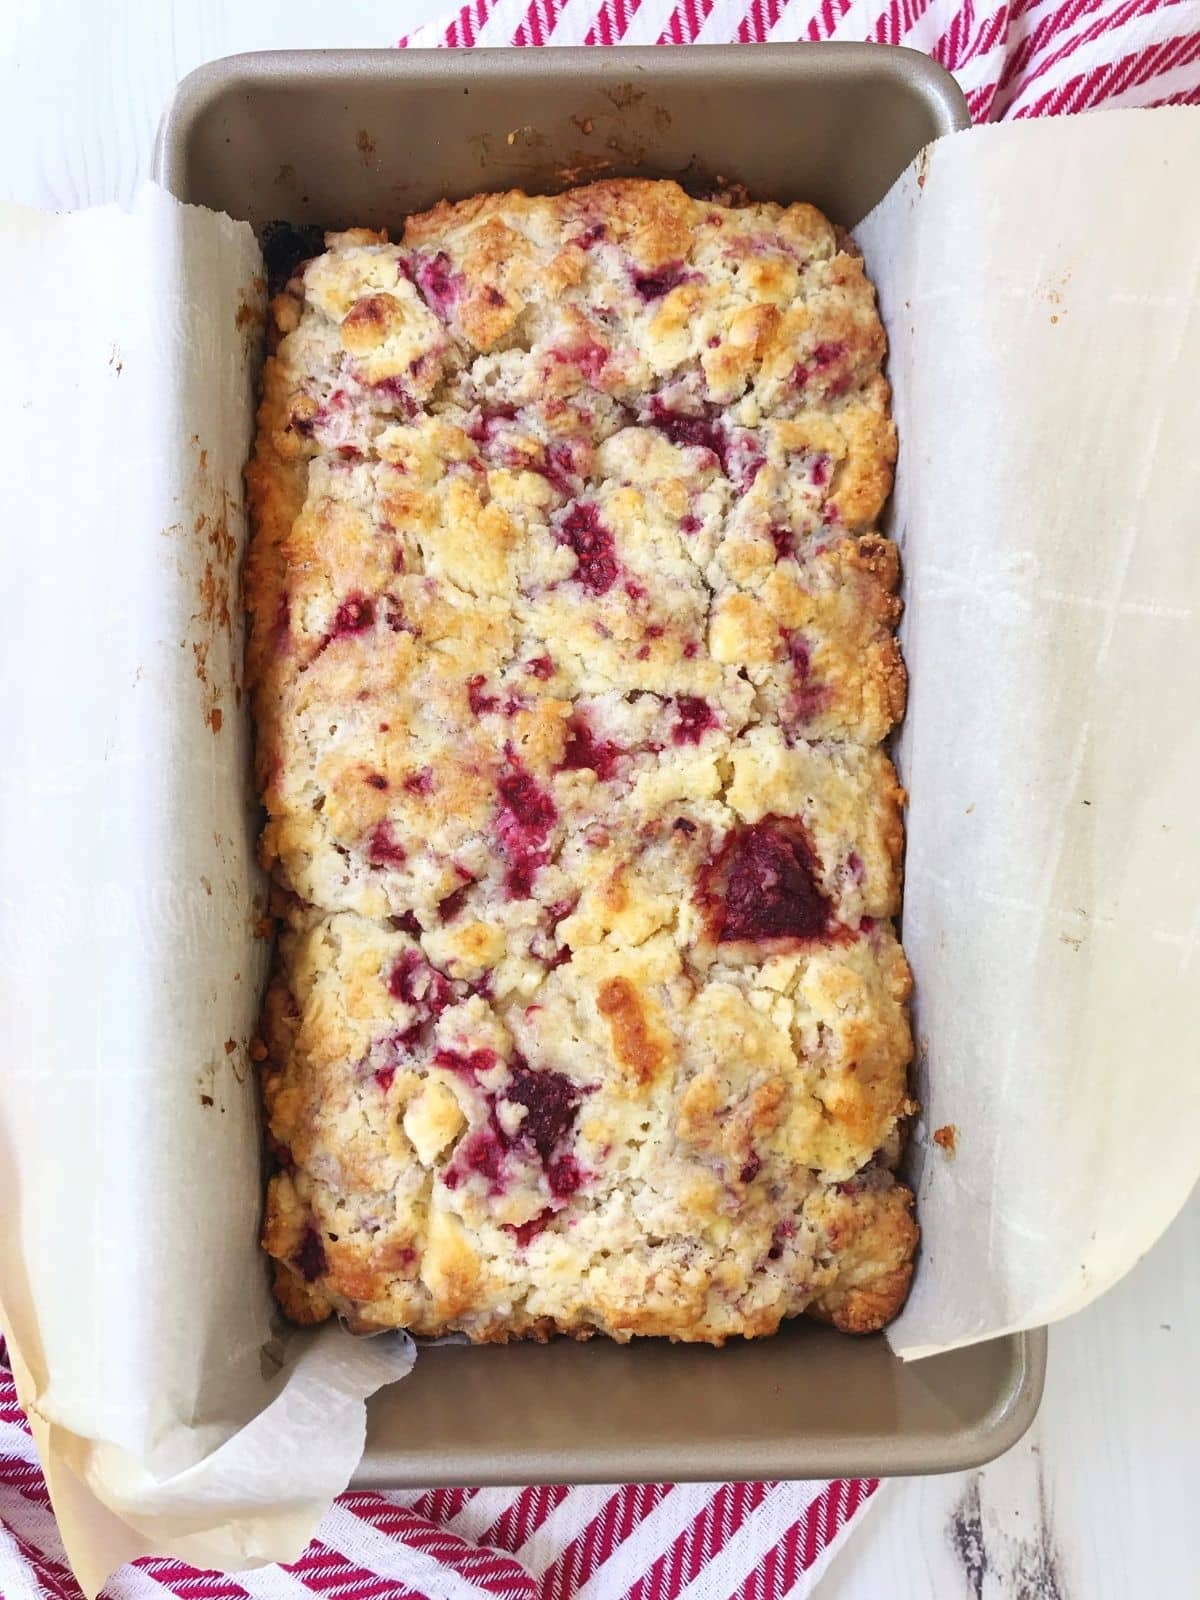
[{"x": 346, "y": 138}]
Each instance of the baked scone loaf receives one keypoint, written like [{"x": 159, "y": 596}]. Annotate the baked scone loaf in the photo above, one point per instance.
[{"x": 572, "y": 653}]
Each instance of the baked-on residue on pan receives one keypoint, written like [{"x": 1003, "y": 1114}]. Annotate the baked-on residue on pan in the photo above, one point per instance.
[{"x": 572, "y": 654}]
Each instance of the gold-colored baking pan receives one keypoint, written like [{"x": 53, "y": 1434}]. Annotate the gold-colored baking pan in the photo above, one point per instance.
[{"x": 343, "y": 138}]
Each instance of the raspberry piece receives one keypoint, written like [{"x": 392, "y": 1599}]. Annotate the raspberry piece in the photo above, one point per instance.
[
  {"x": 418, "y": 984},
  {"x": 699, "y": 432},
  {"x": 439, "y": 283},
  {"x": 452, "y": 905},
  {"x": 592, "y": 542},
  {"x": 394, "y": 389},
  {"x": 564, "y": 1177},
  {"x": 476, "y": 699},
  {"x": 770, "y": 889},
  {"x": 383, "y": 850},
  {"x": 355, "y": 615},
  {"x": 695, "y": 718},
  {"x": 823, "y": 357},
  {"x": 523, "y": 1232},
  {"x": 588, "y": 356},
  {"x": 584, "y": 752},
  {"x": 473, "y": 1063},
  {"x": 309, "y": 1259},
  {"x": 784, "y": 541},
  {"x": 527, "y": 813},
  {"x": 653, "y": 285},
  {"x": 482, "y": 1151},
  {"x": 551, "y": 1102}
]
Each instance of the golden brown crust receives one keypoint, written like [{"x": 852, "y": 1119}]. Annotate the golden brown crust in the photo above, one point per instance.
[
  {"x": 572, "y": 646},
  {"x": 636, "y": 1045},
  {"x": 299, "y": 1301},
  {"x": 875, "y": 1237}
]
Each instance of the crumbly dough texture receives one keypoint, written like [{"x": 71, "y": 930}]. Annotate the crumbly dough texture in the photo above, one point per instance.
[{"x": 572, "y": 651}]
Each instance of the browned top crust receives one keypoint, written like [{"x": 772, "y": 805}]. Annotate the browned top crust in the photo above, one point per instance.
[{"x": 572, "y": 651}]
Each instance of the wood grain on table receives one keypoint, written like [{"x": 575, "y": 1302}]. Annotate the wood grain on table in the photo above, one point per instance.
[{"x": 1096, "y": 1503}]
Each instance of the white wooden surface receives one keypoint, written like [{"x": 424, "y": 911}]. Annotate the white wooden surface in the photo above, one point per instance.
[{"x": 1096, "y": 1502}]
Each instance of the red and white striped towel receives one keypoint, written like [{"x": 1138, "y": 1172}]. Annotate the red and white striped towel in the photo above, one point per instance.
[
  {"x": 659, "y": 1541},
  {"x": 760, "y": 1541},
  {"x": 1021, "y": 58}
]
